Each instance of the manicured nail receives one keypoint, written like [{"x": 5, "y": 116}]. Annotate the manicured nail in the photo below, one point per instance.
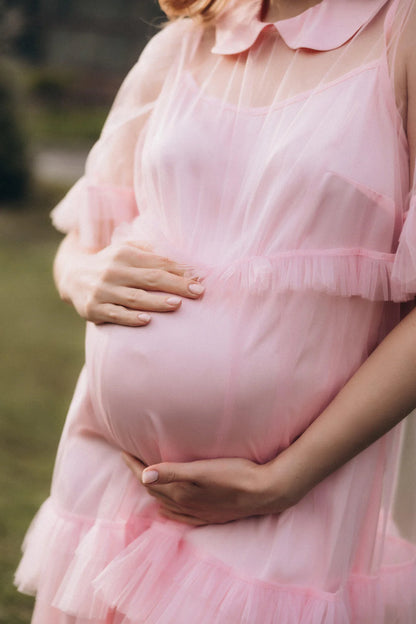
[
  {"x": 144, "y": 317},
  {"x": 173, "y": 301},
  {"x": 196, "y": 289},
  {"x": 150, "y": 476}
]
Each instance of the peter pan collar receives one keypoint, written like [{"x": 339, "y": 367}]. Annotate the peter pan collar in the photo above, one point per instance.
[{"x": 325, "y": 26}]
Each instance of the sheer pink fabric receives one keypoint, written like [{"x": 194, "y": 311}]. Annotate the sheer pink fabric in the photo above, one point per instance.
[{"x": 271, "y": 159}]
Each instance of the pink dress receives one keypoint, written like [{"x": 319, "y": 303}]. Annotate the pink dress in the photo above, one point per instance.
[{"x": 271, "y": 159}]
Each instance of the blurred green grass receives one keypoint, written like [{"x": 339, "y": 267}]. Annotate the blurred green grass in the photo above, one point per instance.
[
  {"x": 41, "y": 356},
  {"x": 69, "y": 127}
]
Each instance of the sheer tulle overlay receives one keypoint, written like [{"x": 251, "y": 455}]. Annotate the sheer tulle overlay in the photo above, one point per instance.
[{"x": 271, "y": 160}]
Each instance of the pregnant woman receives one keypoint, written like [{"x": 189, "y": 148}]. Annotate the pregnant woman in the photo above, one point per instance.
[{"x": 236, "y": 458}]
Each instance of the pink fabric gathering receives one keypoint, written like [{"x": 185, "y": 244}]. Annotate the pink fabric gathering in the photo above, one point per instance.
[{"x": 270, "y": 159}]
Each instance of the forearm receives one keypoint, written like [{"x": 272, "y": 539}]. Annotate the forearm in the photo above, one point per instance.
[{"x": 378, "y": 396}]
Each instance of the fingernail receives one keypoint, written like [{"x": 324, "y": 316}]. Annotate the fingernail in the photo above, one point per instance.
[
  {"x": 196, "y": 289},
  {"x": 144, "y": 317},
  {"x": 150, "y": 476},
  {"x": 173, "y": 301}
]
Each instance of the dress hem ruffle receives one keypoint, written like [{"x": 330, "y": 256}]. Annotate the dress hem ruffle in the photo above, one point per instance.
[{"x": 145, "y": 570}]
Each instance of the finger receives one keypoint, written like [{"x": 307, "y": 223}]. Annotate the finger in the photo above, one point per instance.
[
  {"x": 110, "y": 313},
  {"x": 135, "y": 465},
  {"x": 183, "y": 497},
  {"x": 165, "y": 495},
  {"x": 156, "y": 493},
  {"x": 169, "y": 472},
  {"x": 146, "y": 258},
  {"x": 142, "y": 245},
  {"x": 191, "y": 520},
  {"x": 160, "y": 280},
  {"x": 139, "y": 299},
  {"x": 168, "y": 503}
]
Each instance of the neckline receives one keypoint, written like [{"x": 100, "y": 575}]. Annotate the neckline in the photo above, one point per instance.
[
  {"x": 264, "y": 110},
  {"x": 327, "y": 25},
  {"x": 262, "y": 17}
]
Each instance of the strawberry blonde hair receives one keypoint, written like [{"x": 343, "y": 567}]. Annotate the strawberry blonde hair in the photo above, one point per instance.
[{"x": 203, "y": 10}]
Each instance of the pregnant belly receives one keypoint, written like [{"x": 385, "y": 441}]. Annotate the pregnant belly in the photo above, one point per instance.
[{"x": 215, "y": 379}]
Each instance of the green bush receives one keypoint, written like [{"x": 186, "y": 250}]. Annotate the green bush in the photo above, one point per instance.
[
  {"x": 14, "y": 161},
  {"x": 50, "y": 87}
]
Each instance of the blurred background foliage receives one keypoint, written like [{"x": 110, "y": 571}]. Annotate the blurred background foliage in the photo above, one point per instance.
[{"x": 61, "y": 63}]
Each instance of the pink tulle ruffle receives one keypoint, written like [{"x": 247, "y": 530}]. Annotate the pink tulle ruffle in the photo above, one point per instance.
[
  {"x": 345, "y": 272},
  {"x": 145, "y": 571},
  {"x": 104, "y": 214}
]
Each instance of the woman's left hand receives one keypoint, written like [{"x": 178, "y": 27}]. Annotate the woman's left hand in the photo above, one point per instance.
[{"x": 212, "y": 491}]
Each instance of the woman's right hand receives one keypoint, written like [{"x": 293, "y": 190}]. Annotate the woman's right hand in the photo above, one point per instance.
[{"x": 117, "y": 283}]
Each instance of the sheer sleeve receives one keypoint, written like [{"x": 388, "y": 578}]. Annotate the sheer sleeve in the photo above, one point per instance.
[{"x": 105, "y": 195}]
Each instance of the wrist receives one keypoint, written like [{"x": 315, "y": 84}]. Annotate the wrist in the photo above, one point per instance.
[{"x": 282, "y": 482}]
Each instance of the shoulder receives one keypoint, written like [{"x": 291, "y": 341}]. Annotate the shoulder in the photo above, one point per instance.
[
  {"x": 168, "y": 42},
  {"x": 145, "y": 79}
]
